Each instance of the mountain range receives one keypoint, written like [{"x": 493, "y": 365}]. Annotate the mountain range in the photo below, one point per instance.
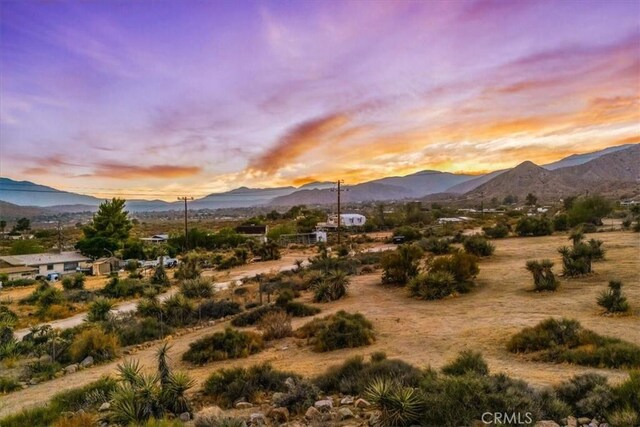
[{"x": 613, "y": 171}]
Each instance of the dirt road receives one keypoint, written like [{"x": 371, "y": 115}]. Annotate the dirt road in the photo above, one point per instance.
[{"x": 431, "y": 333}]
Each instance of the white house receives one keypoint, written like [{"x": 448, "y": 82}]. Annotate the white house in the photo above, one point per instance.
[
  {"x": 156, "y": 238},
  {"x": 46, "y": 262},
  {"x": 346, "y": 220}
]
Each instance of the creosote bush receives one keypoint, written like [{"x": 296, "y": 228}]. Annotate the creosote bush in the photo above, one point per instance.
[
  {"x": 401, "y": 265},
  {"x": 74, "y": 281},
  {"x": 468, "y": 361},
  {"x": 565, "y": 340},
  {"x": 94, "y": 342},
  {"x": 435, "y": 245},
  {"x": 230, "y": 344},
  {"x": 227, "y": 385},
  {"x": 196, "y": 288},
  {"x": 339, "y": 330},
  {"x": 478, "y": 246},
  {"x": 275, "y": 325}
]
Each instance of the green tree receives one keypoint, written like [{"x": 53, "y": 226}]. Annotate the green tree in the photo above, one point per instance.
[
  {"x": 531, "y": 200},
  {"x": 3, "y": 225},
  {"x": 108, "y": 229},
  {"x": 23, "y": 247},
  {"x": 589, "y": 210}
]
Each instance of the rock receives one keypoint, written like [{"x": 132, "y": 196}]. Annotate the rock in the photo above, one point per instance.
[
  {"x": 86, "y": 362},
  {"x": 361, "y": 403},
  {"x": 604, "y": 425},
  {"x": 324, "y": 405},
  {"x": 290, "y": 383},
  {"x": 583, "y": 420},
  {"x": 277, "y": 397},
  {"x": 104, "y": 407},
  {"x": 45, "y": 359},
  {"x": 71, "y": 369},
  {"x": 280, "y": 415},
  {"x": 243, "y": 405},
  {"x": 312, "y": 413},
  {"x": 375, "y": 419},
  {"x": 345, "y": 413},
  {"x": 34, "y": 381},
  {"x": 184, "y": 417},
  {"x": 347, "y": 400},
  {"x": 257, "y": 419},
  {"x": 572, "y": 422},
  {"x": 547, "y": 423},
  {"x": 208, "y": 415}
]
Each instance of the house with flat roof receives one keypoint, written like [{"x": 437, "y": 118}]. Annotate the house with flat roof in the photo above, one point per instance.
[
  {"x": 156, "y": 238},
  {"x": 16, "y": 273},
  {"x": 46, "y": 263}
]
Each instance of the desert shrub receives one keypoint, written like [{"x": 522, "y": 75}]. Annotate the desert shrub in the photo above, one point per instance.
[
  {"x": 339, "y": 330},
  {"x": 478, "y": 246},
  {"x": 409, "y": 233},
  {"x": 332, "y": 288},
  {"x": 612, "y": 299},
  {"x": 354, "y": 374},
  {"x": 543, "y": 277},
  {"x": 275, "y": 325},
  {"x": 79, "y": 295},
  {"x": 99, "y": 310},
  {"x": 532, "y": 226},
  {"x": 48, "y": 297},
  {"x": 42, "y": 370},
  {"x": 566, "y": 341},
  {"x": 284, "y": 297},
  {"x": 230, "y": 344},
  {"x": 37, "y": 416},
  {"x": 300, "y": 395},
  {"x": 463, "y": 267},
  {"x": 7, "y": 317},
  {"x": 81, "y": 419},
  {"x": 123, "y": 288},
  {"x": 75, "y": 281},
  {"x": 401, "y": 265},
  {"x": 178, "y": 310},
  {"x": 468, "y": 361},
  {"x": 399, "y": 405},
  {"x": 577, "y": 260},
  {"x": 227, "y": 385},
  {"x": 132, "y": 330},
  {"x": 432, "y": 285},
  {"x": 627, "y": 393},
  {"x": 18, "y": 283},
  {"x": 586, "y": 394},
  {"x": 212, "y": 310},
  {"x": 95, "y": 343},
  {"x": 498, "y": 231},
  {"x": 625, "y": 417},
  {"x": 188, "y": 269},
  {"x": 298, "y": 309},
  {"x": 87, "y": 397},
  {"x": 435, "y": 245},
  {"x": 253, "y": 316},
  {"x": 160, "y": 276},
  {"x": 8, "y": 384},
  {"x": 197, "y": 288}
]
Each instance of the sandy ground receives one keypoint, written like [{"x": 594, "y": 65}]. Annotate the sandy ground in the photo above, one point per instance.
[{"x": 431, "y": 333}]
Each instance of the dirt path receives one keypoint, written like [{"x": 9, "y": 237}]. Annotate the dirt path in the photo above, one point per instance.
[{"x": 431, "y": 333}]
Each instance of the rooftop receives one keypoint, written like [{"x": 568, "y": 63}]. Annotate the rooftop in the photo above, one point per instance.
[{"x": 44, "y": 258}]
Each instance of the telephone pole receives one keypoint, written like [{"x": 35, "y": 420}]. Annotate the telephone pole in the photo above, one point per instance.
[
  {"x": 186, "y": 227},
  {"x": 59, "y": 238},
  {"x": 339, "y": 190}
]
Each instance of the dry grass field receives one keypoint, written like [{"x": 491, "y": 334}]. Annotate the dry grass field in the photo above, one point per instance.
[{"x": 432, "y": 332}]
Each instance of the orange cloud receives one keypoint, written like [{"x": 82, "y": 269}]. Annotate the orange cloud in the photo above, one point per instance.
[
  {"x": 122, "y": 171},
  {"x": 299, "y": 140}
]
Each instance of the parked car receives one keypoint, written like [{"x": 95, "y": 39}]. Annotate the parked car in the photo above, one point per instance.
[{"x": 398, "y": 239}]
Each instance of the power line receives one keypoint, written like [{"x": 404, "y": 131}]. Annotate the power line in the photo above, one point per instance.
[{"x": 339, "y": 191}]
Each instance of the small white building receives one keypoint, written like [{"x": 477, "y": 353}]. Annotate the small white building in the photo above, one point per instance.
[
  {"x": 45, "y": 263},
  {"x": 346, "y": 220},
  {"x": 156, "y": 238}
]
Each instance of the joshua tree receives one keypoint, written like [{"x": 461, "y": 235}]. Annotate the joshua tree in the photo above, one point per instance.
[{"x": 543, "y": 277}]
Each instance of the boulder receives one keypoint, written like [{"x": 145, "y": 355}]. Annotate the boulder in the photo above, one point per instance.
[
  {"x": 547, "y": 423},
  {"x": 208, "y": 415},
  {"x": 347, "y": 400},
  {"x": 258, "y": 419},
  {"x": 572, "y": 421},
  {"x": 361, "y": 403},
  {"x": 86, "y": 362},
  {"x": 345, "y": 413},
  {"x": 312, "y": 414},
  {"x": 104, "y": 407},
  {"x": 324, "y": 405},
  {"x": 583, "y": 420},
  {"x": 71, "y": 369},
  {"x": 280, "y": 415},
  {"x": 184, "y": 417}
]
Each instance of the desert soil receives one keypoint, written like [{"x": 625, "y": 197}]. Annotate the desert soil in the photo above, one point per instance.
[{"x": 432, "y": 333}]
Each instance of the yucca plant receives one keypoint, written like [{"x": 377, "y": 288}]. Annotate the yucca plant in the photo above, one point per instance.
[
  {"x": 99, "y": 310},
  {"x": 399, "y": 405},
  {"x": 150, "y": 306},
  {"x": 543, "y": 277},
  {"x": 197, "y": 288},
  {"x": 612, "y": 299}
]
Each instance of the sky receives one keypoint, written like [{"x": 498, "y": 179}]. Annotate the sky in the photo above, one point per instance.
[{"x": 158, "y": 98}]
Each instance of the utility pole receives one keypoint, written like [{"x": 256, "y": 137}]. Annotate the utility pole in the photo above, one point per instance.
[
  {"x": 339, "y": 190},
  {"x": 59, "y": 238},
  {"x": 186, "y": 227}
]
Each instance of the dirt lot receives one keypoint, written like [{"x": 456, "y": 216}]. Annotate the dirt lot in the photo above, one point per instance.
[{"x": 431, "y": 333}]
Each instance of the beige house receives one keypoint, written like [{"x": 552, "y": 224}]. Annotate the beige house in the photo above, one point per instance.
[
  {"x": 45, "y": 263},
  {"x": 15, "y": 273}
]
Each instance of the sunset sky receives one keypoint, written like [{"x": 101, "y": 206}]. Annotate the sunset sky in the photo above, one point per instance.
[{"x": 160, "y": 98}]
